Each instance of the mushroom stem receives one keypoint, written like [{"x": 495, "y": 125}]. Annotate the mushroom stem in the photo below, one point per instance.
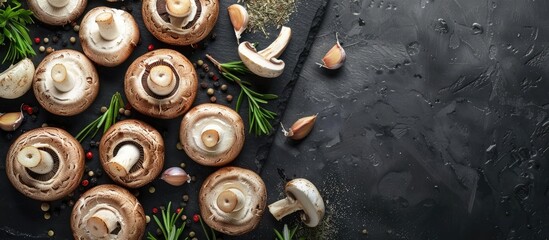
[
  {"x": 107, "y": 26},
  {"x": 210, "y": 138},
  {"x": 284, "y": 207},
  {"x": 60, "y": 79},
  {"x": 161, "y": 80},
  {"x": 124, "y": 160},
  {"x": 178, "y": 10},
  {"x": 230, "y": 200},
  {"x": 277, "y": 47},
  {"x": 36, "y": 160},
  {"x": 58, "y": 3},
  {"x": 102, "y": 223}
]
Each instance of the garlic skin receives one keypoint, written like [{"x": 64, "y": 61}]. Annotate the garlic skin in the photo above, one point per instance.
[
  {"x": 335, "y": 57},
  {"x": 176, "y": 176},
  {"x": 239, "y": 19},
  {"x": 301, "y": 128},
  {"x": 11, "y": 121}
]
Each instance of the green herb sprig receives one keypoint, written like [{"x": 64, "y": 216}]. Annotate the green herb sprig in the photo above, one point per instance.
[
  {"x": 286, "y": 233},
  {"x": 167, "y": 226},
  {"x": 107, "y": 119},
  {"x": 13, "y": 22},
  {"x": 258, "y": 117},
  {"x": 206, "y": 232}
]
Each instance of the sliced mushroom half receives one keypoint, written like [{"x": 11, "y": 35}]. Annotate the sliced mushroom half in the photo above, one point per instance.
[
  {"x": 108, "y": 35},
  {"x": 180, "y": 22},
  {"x": 132, "y": 153},
  {"x": 66, "y": 83},
  {"x": 108, "y": 212},
  {"x": 301, "y": 195},
  {"x": 212, "y": 134},
  {"x": 232, "y": 200},
  {"x": 161, "y": 84},
  {"x": 17, "y": 79},
  {"x": 45, "y": 163},
  {"x": 57, "y": 12}
]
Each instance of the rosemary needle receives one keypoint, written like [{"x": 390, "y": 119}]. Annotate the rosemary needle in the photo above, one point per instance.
[{"x": 107, "y": 119}]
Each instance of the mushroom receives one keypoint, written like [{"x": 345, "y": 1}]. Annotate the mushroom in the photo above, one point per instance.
[
  {"x": 180, "y": 22},
  {"x": 301, "y": 195},
  {"x": 108, "y": 35},
  {"x": 108, "y": 212},
  {"x": 265, "y": 63},
  {"x": 17, "y": 79},
  {"x": 161, "y": 84},
  {"x": 132, "y": 153},
  {"x": 45, "y": 163},
  {"x": 57, "y": 12},
  {"x": 66, "y": 83},
  {"x": 212, "y": 134},
  {"x": 232, "y": 200}
]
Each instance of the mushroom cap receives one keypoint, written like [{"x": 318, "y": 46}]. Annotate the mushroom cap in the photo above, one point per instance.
[
  {"x": 48, "y": 14},
  {"x": 235, "y": 223},
  {"x": 80, "y": 69},
  {"x": 68, "y": 157},
  {"x": 305, "y": 192},
  {"x": 157, "y": 21},
  {"x": 116, "y": 199},
  {"x": 144, "y": 100},
  {"x": 108, "y": 53},
  {"x": 146, "y": 139},
  {"x": 17, "y": 79},
  {"x": 212, "y": 116}
]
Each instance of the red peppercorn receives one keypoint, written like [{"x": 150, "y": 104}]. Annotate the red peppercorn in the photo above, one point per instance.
[
  {"x": 150, "y": 47},
  {"x": 25, "y": 107},
  {"x": 215, "y": 78},
  {"x": 85, "y": 182},
  {"x": 89, "y": 155},
  {"x": 155, "y": 210},
  {"x": 178, "y": 210},
  {"x": 29, "y": 110},
  {"x": 37, "y": 40},
  {"x": 196, "y": 218},
  {"x": 128, "y": 106}
]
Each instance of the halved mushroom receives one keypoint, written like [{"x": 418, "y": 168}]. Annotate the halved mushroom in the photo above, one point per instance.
[
  {"x": 161, "y": 84},
  {"x": 232, "y": 200},
  {"x": 132, "y": 153},
  {"x": 45, "y": 163},
  {"x": 108, "y": 35},
  {"x": 17, "y": 79},
  {"x": 180, "y": 22},
  {"x": 301, "y": 195},
  {"x": 212, "y": 134},
  {"x": 265, "y": 63},
  {"x": 66, "y": 83},
  {"x": 57, "y": 12},
  {"x": 108, "y": 212}
]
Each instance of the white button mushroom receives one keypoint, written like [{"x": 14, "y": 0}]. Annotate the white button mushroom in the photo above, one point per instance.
[
  {"x": 125, "y": 158},
  {"x": 301, "y": 195},
  {"x": 17, "y": 79},
  {"x": 57, "y": 12}
]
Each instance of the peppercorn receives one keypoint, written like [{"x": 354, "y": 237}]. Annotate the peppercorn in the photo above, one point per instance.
[
  {"x": 127, "y": 113},
  {"x": 45, "y": 207},
  {"x": 229, "y": 98},
  {"x": 150, "y": 47},
  {"x": 103, "y": 109},
  {"x": 216, "y": 84},
  {"x": 206, "y": 68},
  {"x": 90, "y": 173},
  {"x": 213, "y": 36},
  {"x": 44, "y": 125},
  {"x": 147, "y": 218},
  {"x": 85, "y": 182},
  {"x": 195, "y": 65},
  {"x": 72, "y": 39},
  {"x": 210, "y": 91},
  {"x": 183, "y": 217},
  {"x": 49, "y": 50},
  {"x": 47, "y": 215},
  {"x": 213, "y": 99},
  {"x": 211, "y": 74},
  {"x": 155, "y": 210},
  {"x": 55, "y": 39},
  {"x": 121, "y": 110},
  {"x": 215, "y": 78},
  {"x": 178, "y": 146},
  {"x": 185, "y": 197},
  {"x": 46, "y": 40},
  {"x": 37, "y": 40},
  {"x": 192, "y": 234},
  {"x": 89, "y": 155},
  {"x": 152, "y": 189},
  {"x": 41, "y": 49},
  {"x": 204, "y": 85},
  {"x": 196, "y": 218},
  {"x": 76, "y": 28},
  {"x": 200, "y": 62},
  {"x": 29, "y": 110},
  {"x": 224, "y": 87},
  {"x": 51, "y": 233},
  {"x": 182, "y": 165}
]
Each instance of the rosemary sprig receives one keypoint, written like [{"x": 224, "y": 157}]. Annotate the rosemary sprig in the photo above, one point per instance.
[
  {"x": 13, "y": 21},
  {"x": 167, "y": 226},
  {"x": 207, "y": 233},
  {"x": 258, "y": 117},
  {"x": 286, "y": 233},
  {"x": 107, "y": 119}
]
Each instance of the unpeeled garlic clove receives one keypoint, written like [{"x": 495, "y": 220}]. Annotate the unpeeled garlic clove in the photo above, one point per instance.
[
  {"x": 301, "y": 128},
  {"x": 239, "y": 19},
  {"x": 335, "y": 57},
  {"x": 11, "y": 121},
  {"x": 175, "y": 176}
]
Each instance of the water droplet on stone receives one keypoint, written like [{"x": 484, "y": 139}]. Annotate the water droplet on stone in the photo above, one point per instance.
[{"x": 477, "y": 28}]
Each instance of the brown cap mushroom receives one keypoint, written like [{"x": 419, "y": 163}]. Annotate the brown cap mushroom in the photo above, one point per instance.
[
  {"x": 108, "y": 35},
  {"x": 17, "y": 79},
  {"x": 180, "y": 22},
  {"x": 45, "y": 163},
  {"x": 301, "y": 195},
  {"x": 161, "y": 84},
  {"x": 232, "y": 200},
  {"x": 212, "y": 134},
  {"x": 132, "y": 153},
  {"x": 57, "y": 12},
  {"x": 108, "y": 212},
  {"x": 66, "y": 82}
]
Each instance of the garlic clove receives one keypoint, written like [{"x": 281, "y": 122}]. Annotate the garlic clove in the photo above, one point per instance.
[
  {"x": 239, "y": 19},
  {"x": 301, "y": 128},
  {"x": 175, "y": 176},
  {"x": 335, "y": 57},
  {"x": 11, "y": 121}
]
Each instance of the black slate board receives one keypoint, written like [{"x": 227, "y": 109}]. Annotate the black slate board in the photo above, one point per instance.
[{"x": 22, "y": 217}]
